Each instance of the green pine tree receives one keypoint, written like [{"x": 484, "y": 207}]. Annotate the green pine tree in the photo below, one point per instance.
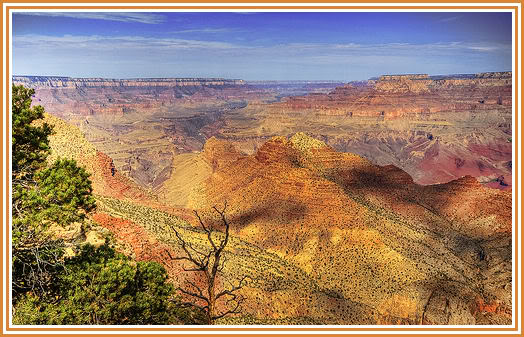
[
  {"x": 101, "y": 286},
  {"x": 98, "y": 286}
]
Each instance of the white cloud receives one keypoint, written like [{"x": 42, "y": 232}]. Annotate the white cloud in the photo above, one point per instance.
[
  {"x": 87, "y": 42},
  {"x": 483, "y": 48},
  {"x": 383, "y": 49},
  {"x": 42, "y": 42},
  {"x": 138, "y": 56},
  {"x": 450, "y": 18},
  {"x": 207, "y": 30},
  {"x": 147, "y": 18}
]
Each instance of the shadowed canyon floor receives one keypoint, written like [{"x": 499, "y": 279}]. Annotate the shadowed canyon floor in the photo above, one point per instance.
[{"x": 326, "y": 237}]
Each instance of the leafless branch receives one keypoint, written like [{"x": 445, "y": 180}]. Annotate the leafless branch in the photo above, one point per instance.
[
  {"x": 201, "y": 263},
  {"x": 222, "y": 214},
  {"x": 207, "y": 230},
  {"x": 198, "y": 295},
  {"x": 192, "y": 269},
  {"x": 233, "y": 289},
  {"x": 235, "y": 310},
  {"x": 221, "y": 267},
  {"x": 191, "y": 304}
]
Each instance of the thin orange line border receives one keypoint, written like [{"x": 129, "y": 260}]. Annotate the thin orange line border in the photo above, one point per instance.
[{"x": 273, "y": 5}]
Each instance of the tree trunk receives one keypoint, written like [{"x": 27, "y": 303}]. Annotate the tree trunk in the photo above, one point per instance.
[{"x": 211, "y": 294}]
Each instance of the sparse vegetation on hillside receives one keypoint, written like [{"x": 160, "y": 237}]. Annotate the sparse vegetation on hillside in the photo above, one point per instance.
[
  {"x": 210, "y": 263},
  {"x": 275, "y": 288},
  {"x": 304, "y": 143}
]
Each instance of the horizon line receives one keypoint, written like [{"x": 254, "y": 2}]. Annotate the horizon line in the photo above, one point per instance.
[{"x": 256, "y": 80}]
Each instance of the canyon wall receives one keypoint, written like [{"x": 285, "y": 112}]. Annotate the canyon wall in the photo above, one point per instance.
[
  {"x": 70, "y": 98},
  {"x": 142, "y": 123},
  {"x": 393, "y": 96},
  {"x": 437, "y": 128}
]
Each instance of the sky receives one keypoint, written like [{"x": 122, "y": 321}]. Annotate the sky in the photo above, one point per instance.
[{"x": 259, "y": 45}]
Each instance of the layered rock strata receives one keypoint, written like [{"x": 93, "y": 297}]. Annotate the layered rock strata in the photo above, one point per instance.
[
  {"x": 435, "y": 128},
  {"x": 394, "y": 96}
]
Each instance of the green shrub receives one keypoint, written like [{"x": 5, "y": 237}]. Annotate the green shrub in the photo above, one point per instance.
[{"x": 101, "y": 286}]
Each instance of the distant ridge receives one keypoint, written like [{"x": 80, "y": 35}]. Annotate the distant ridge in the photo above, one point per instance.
[
  {"x": 492, "y": 74},
  {"x": 72, "y": 82}
]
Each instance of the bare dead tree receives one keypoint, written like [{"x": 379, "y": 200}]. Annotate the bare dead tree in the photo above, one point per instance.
[{"x": 210, "y": 263}]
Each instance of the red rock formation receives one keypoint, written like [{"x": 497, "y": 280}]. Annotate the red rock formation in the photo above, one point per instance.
[
  {"x": 394, "y": 96},
  {"x": 219, "y": 153},
  {"x": 435, "y": 128}
]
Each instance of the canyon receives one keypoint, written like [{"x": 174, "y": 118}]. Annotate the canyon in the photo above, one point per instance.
[
  {"x": 326, "y": 237},
  {"x": 387, "y": 201},
  {"x": 142, "y": 123},
  {"x": 436, "y": 128}
]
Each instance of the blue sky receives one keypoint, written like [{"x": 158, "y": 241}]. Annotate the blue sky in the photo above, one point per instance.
[{"x": 259, "y": 46}]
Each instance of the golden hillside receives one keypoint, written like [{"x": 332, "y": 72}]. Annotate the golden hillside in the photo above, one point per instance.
[
  {"x": 327, "y": 237},
  {"x": 368, "y": 233}
]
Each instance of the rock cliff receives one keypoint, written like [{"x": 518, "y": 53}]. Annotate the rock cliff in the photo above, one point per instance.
[
  {"x": 67, "y": 141},
  {"x": 394, "y": 96}
]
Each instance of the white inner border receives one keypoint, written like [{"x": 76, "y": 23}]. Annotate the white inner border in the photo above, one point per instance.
[{"x": 7, "y": 163}]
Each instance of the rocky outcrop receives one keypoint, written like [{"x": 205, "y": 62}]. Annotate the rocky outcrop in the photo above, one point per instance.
[
  {"x": 219, "y": 153},
  {"x": 404, "y": 77},
  {"x": 69, "y": 142},
  {"x": 495, "y": 75}
]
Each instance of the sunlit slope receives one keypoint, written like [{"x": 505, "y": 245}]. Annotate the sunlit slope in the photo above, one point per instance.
[
  {"x": 67, "y": 141},
  {"x": 277, "y": 292},
  {"x": 189, "y": 170},
  {"x": 413, "y": 254},
  {"x": 327, "y": 237}
]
